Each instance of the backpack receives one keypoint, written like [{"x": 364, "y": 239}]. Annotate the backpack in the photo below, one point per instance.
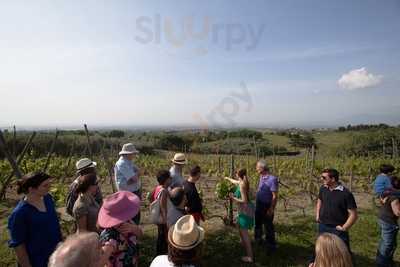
[{"x": 155, "y": 209}]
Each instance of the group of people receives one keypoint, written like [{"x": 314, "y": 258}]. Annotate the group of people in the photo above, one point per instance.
[{"x": 108, "y": 230}]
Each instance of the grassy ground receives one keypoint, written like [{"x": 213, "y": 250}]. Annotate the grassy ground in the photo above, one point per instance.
[
  {"x": 278, "y": 140},
  {"x": 296, "y": 237},
  {"x": 330, "y": 140}
]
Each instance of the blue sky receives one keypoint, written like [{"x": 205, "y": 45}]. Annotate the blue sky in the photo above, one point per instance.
[{"x": 167, "y": 63}]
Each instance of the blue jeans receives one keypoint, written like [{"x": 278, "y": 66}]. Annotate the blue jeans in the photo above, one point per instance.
[
  {"x": 262, "y": 220},
  {"x": 387, "y": 245}
]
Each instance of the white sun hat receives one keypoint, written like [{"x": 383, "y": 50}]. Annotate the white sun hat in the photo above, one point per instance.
[
  {"x": 180, "y": 159},
  {"x": 128, "y": 149},
  {"x": 185, "y": 234},
  {"x": 84, "y": 164}
]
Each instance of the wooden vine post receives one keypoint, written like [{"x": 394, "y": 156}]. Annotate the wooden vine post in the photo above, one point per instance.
[
  {"x": 89, "y": 148},
  {"x": 255, "y": 148},
  {"x": 351, "y": 179},
  {"x": 274, "y": 161},
  {"x": 15, "y": 142},
  {"x": 49, "y": 155},
  {"x": 19, "y": 160},
  {"x": 311, "y": 173},
  {"x": 70, "y": 155},
  {"x": 6, "y": 153},
  {"x": 113, "y": 181},
  {"x": 231, "y": 174},
  {"x": 110, "y": 169},
  {"x": 248, "y": 163}
]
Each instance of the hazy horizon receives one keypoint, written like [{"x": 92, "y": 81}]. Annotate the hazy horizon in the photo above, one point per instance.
[{"x": 206, "y": 64}]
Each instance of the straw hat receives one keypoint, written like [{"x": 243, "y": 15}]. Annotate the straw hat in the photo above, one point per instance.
[
  {"x": 84, "y": 164},
  {"x": 128, "y": 149},
  {"x": 185, "y": 234},
  {"x": 180, "y": 159},
  {"x": 118, "y": 208}
]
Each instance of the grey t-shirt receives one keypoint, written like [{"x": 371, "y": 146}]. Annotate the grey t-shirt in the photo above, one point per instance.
[{"x": 174, "y": 214}]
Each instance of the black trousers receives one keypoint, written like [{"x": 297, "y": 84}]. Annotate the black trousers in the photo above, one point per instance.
[
  {"x": 264, "y": 224},
  {"x": 136, "y": 219},
  {"x": 162, "y": 245}
]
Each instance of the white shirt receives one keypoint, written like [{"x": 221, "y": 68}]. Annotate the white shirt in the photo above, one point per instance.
[
  {"x": 177, "y": 178},
  {"x": 162, "y": 261}
]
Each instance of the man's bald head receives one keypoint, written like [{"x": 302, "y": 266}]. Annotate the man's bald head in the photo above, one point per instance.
[{"x": 78, "y": 250}]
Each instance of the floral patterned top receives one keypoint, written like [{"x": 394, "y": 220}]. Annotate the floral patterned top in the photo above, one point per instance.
[{"x": 125, "y": 248}]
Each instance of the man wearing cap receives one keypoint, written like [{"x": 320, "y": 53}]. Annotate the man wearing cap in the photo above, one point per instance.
[
  {"x": 179, "y": 161},
  {"x": 83, "y": 166},
  {"x": 127, "y": 174}
]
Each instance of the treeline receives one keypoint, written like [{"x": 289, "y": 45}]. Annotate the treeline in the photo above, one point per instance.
[
  {"x": 242, "y": 141},
  {"x": 68, "y": 143},
  {"x": 364, "y": 127},
  {"x": 382, "y": 142}
]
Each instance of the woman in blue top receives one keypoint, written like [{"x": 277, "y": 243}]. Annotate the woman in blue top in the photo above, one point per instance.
[{"x": 33, "y": 225}]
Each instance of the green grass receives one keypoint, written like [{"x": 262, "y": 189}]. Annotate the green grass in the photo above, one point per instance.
[
  {"x": 278, "y": 140},
  {"x": 296, "y": 238},
  {"x": 330, "y": 140}
]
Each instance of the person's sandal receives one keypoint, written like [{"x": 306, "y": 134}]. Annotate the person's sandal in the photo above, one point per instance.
[{"x": 247, "y": 259}]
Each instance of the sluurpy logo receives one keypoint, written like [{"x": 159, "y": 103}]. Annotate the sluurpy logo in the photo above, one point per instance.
[
  {"x": 224, "y": 114},
  {"x": 197, "y": 35}
]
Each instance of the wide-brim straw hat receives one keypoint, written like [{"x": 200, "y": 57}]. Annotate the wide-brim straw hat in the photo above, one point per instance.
[
  {"x": 180, "y": 159},
  {"x": 185, "y": 234},
  {"x": 118, "y": 208},
  {"x": 128, "y": 149},
  {"x": 84, "y": 164}
]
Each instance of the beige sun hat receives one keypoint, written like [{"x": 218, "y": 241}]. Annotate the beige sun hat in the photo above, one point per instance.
[
  {"x": 185, "y": 234},
  {"x": 179, "y": 158},
  {"x": 84, "y": 164},
  {"x": 128, "y": 149}
]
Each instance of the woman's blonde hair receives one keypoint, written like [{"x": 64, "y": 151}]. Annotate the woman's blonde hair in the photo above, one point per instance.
[{"x": 331, "y": 251}]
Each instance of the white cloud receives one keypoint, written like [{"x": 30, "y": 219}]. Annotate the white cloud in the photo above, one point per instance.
[{"x": 359, "y": 79}]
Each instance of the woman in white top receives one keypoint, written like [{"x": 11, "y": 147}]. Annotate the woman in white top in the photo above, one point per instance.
[{"x": 184, "y": 245}]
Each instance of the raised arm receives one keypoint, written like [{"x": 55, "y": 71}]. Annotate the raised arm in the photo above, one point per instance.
[{"x": 233, "y": 181}]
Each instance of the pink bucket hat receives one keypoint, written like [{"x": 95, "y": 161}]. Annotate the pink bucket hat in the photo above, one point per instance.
[{"x": 118, "y": 208}]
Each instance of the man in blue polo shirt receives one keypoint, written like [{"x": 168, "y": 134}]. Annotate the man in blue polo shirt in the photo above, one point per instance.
[{"x": 266, "y": 200}]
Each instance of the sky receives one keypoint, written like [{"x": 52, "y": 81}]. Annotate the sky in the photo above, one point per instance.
[{"x": 202, "y": 63}]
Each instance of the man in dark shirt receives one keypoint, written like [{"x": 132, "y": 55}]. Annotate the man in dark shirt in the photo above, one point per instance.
[
  {"x": 336, "y": 208},
  {"x": 194, "y": 202}
]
